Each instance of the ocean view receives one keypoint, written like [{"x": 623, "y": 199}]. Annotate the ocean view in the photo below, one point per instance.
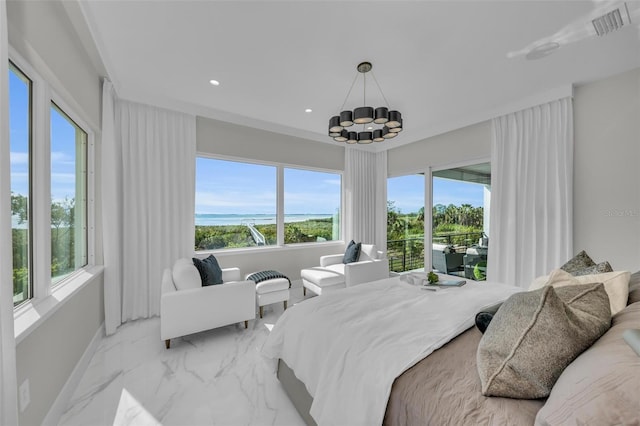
[{"x": 257, "y": 219}]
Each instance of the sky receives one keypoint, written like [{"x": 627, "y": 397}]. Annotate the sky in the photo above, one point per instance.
[
  {"x": 408, "y": 192},
  {"x": 63, "y": 144},
  {"x": 230, "y": 187}
]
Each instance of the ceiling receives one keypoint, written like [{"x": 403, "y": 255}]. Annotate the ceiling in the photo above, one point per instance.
[{"x": 443, "y": 64}]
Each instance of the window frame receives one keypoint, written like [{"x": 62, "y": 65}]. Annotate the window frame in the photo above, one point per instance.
[
  {"x": 44, "y": 295},
  {"x": 279, "y": 202}
]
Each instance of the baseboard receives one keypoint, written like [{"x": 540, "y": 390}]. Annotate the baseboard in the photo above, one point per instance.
[{"x": 62, "y": 401}]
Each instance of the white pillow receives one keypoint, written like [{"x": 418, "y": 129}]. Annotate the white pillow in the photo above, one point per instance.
[
  {"x": 369, "y": 251},
  {"x": 185, "y": 275},
  {"x": 616, "y": 284}
]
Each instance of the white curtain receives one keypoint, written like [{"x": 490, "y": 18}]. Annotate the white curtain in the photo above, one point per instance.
[
  {"x": 8, "y": 384},
  {"x": 366, "y": 196},
  {"x": 531, "y": 193},
  {"x": 151, "y": 165}
]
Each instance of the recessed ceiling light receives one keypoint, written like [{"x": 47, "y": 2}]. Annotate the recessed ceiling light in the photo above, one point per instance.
[
  {"x": 308, "y": 110},
  {"x": 214, "y": 82}
]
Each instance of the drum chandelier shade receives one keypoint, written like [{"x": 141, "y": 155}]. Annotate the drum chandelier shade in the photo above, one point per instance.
[{"x": 367, "y": 116}]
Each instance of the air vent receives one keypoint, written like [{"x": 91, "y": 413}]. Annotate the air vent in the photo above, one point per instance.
[{"x": 612, "y": 21}]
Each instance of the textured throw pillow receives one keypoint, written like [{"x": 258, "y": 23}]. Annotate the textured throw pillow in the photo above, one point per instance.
[
  {"x": 601, "y": 386},
  {"x": 210, "y": 271},
  {"x": 600, "y": 268},
  {"x": 535, "y": 335},
  {"x": 352, "y": 253},
  {"x": 484, "y": 317},
  {"x": 616, "y": 284},
  {"x": 578, "y": 262}
]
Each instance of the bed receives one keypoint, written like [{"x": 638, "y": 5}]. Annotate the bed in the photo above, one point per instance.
[{"x": 443, "y": 387}]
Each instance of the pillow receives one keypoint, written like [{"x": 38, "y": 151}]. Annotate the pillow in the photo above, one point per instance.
[
  {"x": 352, "y": 253},
  {"x": 484, "y": 317},
  {"x": 210, "y": 271},
  {"x": 578, "y": 262},
  {"x": 616, "y": 284},
  {"x": 185, "y": 275},
  {"x": 600, "y": 268},
  {"x": 602, "y": 385},
  {"x": 368, "y": 252},
  {"x": 536, "y": 334},
  {"x": 634, "y": 288}
]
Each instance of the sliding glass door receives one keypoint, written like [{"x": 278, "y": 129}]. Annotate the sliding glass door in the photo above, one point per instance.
[
  {"x": 405, "y": 222},
  {"x": 460, "y": 220}
]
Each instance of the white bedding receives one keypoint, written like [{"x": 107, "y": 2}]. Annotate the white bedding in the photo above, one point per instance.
[{"x": 349, "y": 346}]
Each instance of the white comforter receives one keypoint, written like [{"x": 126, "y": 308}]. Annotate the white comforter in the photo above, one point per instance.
[{"x": 349, "y": 346}]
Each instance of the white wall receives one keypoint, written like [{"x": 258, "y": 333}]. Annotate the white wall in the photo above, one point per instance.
[
  {"x": 43, "y": 35},
  {"x": 458, "y": 146},
  {"x": 606, "y": 201}
]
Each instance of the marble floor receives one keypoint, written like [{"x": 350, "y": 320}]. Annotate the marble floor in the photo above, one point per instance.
[{"x": 216, "y": 377}]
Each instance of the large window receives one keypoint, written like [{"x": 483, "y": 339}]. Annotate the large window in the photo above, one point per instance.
[
  {"x": 311, "y": 206},
  {"x": 405, "y": 222},
  {"x": 68, "y": 195},
  {"x": 20, "y": 143},
  {"x": 237, "y": 205},
  {"x": 49, "y": 160}
]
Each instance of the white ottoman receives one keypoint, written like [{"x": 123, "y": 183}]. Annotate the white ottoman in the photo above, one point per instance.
[
  {"x": 319, "y": 279},
  {"x": 271, "y": 291}
]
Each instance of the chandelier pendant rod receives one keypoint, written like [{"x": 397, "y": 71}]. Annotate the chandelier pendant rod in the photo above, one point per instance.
[{"x": 348, "y": 93}]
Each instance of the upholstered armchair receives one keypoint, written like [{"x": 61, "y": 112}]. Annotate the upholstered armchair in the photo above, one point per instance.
[
  {"x": 187, "y": 307},
  {"x": 332, "y": 274}
]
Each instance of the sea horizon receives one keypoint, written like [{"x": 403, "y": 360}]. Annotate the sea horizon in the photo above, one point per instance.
[{"x": 221, "y": 219}]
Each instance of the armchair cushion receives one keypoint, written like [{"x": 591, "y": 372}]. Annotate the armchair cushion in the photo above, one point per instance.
[
  {"x": 352, "y": 253},
  {"x": 368, "y": 252},
  {"x": 209, "y": 270},
  {"x": 185, "y": 275}
]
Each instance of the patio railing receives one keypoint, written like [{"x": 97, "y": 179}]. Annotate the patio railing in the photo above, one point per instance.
[{"x": 408, "y": 254}]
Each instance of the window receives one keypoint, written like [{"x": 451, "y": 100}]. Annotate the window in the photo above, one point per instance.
[
  {"x": 20, "y": 147},
  {"x": 311, "y": 206},
  {"x": 461, "y": 219},
  {"x": 68, "y": 195},
  {"x": 237, "y": 205},
  {"x": 405, "y": 222},
  {"x": 50, "y": 186}
]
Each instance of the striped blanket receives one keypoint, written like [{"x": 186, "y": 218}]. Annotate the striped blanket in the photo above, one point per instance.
[{"x": 258, "y": 277}]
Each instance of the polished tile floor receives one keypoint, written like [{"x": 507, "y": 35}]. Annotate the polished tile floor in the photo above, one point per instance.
[{"x": 216, "y": 377}]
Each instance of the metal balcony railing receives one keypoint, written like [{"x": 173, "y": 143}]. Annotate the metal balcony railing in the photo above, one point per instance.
[{"x": 408, "y": 254}]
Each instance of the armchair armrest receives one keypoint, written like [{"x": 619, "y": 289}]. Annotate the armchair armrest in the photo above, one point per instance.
[
  {"x": 231, "y": 274},
  {"x": 331, "y": 259},
  {"x": 366, "y": 271}
]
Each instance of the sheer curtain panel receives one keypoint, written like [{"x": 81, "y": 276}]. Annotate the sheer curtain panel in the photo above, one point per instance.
[
  {"x": 366, "y": 196},
  {"x": 8, "y": 384},
  {"x": 154, "y": 152},
  {"x": 531, "y": 192}
]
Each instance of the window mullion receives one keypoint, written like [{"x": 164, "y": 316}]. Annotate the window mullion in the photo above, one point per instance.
[
  {"x": 280, "y": 205},
  {"x": 41, "y": 192},
  {"x": 428, "y": 219}
]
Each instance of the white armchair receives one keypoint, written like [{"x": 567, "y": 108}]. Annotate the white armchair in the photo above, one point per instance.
[
  {"x": 332, "y": 274},
  {"x": 187, "y": 307}
]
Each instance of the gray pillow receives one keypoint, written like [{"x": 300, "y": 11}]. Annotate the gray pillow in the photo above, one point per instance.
[
  {"x": 600, "y": 268},
  {"x": 210, "y": 271},
  {"x": 352, "y": 253},
  {"x": 536, "y": 334},
  {"x": 578, "y": 262}
]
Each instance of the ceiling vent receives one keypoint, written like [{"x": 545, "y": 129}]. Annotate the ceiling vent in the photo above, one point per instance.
[{"x": 612, "y": 21}]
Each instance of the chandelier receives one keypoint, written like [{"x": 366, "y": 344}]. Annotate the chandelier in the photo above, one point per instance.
[{"x": 390, "y": 120}]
